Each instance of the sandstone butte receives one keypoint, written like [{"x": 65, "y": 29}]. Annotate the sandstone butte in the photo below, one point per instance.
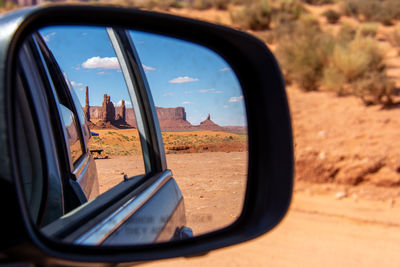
[{"x": 170, "y": 119}]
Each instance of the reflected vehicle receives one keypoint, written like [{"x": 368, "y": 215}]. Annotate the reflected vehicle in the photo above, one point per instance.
[
  {"x": 153, "y": 211},
  {"x": 51, "y": 198},
  {"x": 178, "y": 83}
]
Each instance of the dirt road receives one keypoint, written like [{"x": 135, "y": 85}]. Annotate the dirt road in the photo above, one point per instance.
[
  {"x": 319, "y": 230},
  {"x": 213, "y": 184},
  {"x": 328, "y": 224}
]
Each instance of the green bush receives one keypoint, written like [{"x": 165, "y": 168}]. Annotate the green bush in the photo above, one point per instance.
[
  {"x": 331, "y": 16},
  {"x": 256, "y": 16}
]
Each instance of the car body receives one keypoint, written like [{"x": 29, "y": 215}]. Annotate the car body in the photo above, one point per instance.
[{"x": 50, "y": 98}]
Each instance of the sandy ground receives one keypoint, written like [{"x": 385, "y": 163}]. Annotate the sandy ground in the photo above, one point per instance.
[
  {"x": 319, "y": 230},
  {"x": 213, "y": 184}
]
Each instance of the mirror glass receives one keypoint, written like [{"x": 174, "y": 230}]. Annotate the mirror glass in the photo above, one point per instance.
[{"x": 143, "y": 137}]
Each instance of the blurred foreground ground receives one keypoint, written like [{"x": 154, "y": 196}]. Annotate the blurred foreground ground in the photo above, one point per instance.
[{"x": 319, "y": 230}]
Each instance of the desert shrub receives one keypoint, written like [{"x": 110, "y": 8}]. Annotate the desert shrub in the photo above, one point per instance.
[
  {"x": 159, "y": 4},
  {"x": 8, "y": 5},
  {"x": 360, "y": 56},
  {"x": 366, "y": 8},
  {"x": 375, "y": 88},
  {"x": 241, "y": 2},
  {"x": 304, "y": 53},
  {"x": 221, "y": 4},
  {"x": 346, "y": 33},
  {"x": 367, "y": 29},
  {"x": 334, "y": 80},
  {"x": 394, "y": 36},
  {"x": 357, "y": 68},
  {"x": 256, "y": 16},
  {"x": 318, "y": 2},
  {"x": 201, "y": 4},
  {"x": 331, "y": 16},
  {"x": 288, "y": 10},
  {"x": 373, "y": 10}
]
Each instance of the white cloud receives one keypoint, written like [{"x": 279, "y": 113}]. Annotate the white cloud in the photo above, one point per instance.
[
  {"x": 184, "y": 79},
  {"x": 75, "y": 84},
  {"x": 148, "y": 68},
  {"x": 235, "y": 98},
  {"x": 206, "y": 90},
  {"x": 218, "y": 92},
  {"x": 101, "y": 63},
  {"x": 168, "y": 94},
  {"x": 225, "y": 69},
  {"x": 77, "y": 67},
  {"x": 187, "y": 103},
  {"x": 127, "y": 103},
  {"x": 226, "y": 106},
  {"x": 47, "y": 36},
  {"x": 188, "y": 92},
  {"x": 81, "y": 89},
  {"x": 102, "y": 73}
]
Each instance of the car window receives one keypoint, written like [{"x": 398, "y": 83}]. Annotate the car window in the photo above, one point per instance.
[
  {"x": 93, "y": 76},
  {"x": 70, "y": 123},
  {"x": 72, "y": 133},
  {"x": 201, "y": 112}
]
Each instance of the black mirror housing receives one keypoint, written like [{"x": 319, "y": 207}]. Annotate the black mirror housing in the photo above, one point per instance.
[{"x": 271, "y": 163}]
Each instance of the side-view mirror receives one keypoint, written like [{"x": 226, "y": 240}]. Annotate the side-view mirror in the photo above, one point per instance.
[{"x": 130, "y": 136}]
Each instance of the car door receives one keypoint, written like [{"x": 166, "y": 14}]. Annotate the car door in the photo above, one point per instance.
[
  {"x": 82, "y": 165},
  {"x": 141, "y": 209}
]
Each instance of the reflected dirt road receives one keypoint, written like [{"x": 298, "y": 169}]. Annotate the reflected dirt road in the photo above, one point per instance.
[{"x": 213, "y": 184}]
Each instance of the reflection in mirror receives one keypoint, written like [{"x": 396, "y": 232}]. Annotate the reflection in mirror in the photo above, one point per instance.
[{"x": 108, "y": 185}]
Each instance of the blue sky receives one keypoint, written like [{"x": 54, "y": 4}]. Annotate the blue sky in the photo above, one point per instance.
[{"x": 179, "y": 73}]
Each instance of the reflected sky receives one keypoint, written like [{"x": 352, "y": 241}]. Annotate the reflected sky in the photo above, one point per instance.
[{"x": 179, "y": 73}]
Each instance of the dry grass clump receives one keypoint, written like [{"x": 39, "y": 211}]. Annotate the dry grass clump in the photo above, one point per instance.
[
  {"x": 373, "y": 10},
  {"x": 201, "y": 4},
  {"x": 350, "y": 63},
  {"x": 151, "y": 4},
  {"x": 285, "y": 11},
  {"x": 318, "y": 2},
  {"x": 367, "y": 29},
  {"x": 256, "y": 16},
  {"x": 394, "y": 36},
  {"x": 303, "y": 53},
  {"x": 346, "y": 33},
  {"x": 357, "y": 68},
  {"x": 259, "y": 14},
  {"x": 7, "y": 6},
  {"x": 331, "y": 16}
]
